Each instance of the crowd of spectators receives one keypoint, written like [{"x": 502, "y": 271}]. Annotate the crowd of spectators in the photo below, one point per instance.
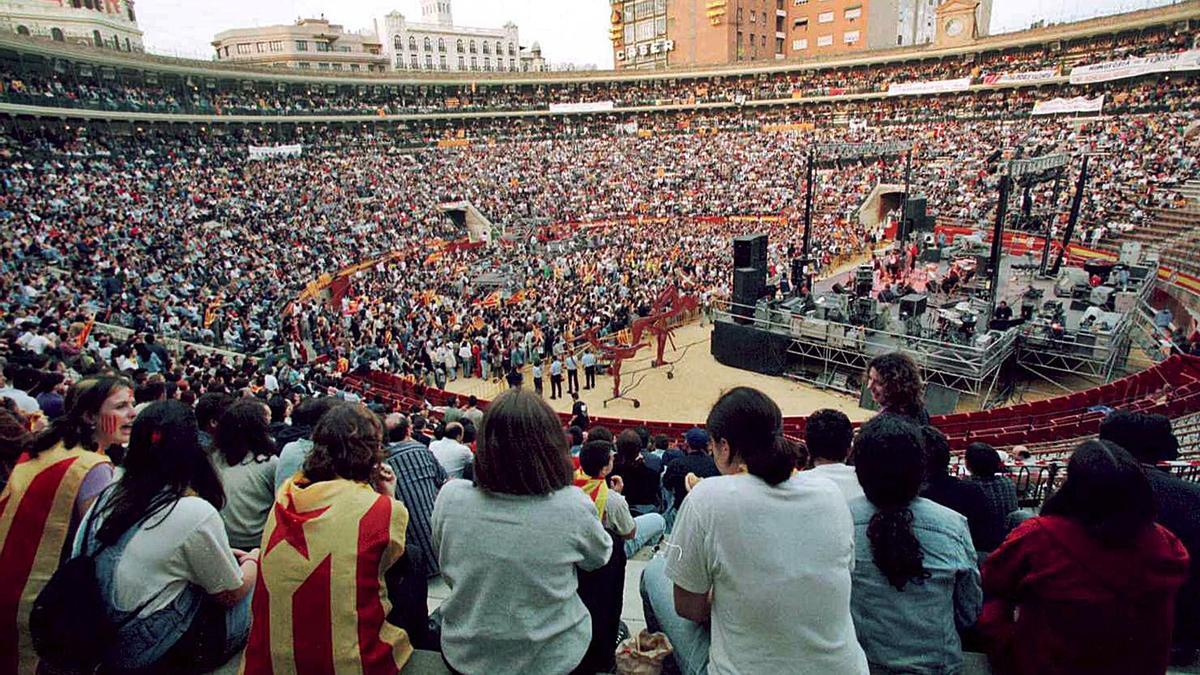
[
  {"x": 183, "y": 237},
  {"x": 855, "y": 551}
]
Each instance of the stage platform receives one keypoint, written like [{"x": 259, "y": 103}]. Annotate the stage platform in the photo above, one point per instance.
[{"x": 1058, "y": 325}]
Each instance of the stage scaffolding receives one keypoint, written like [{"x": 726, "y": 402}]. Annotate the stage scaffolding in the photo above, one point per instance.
[
  {"x": 1097, "y": 355},
  {"x": 841, "y": 352}
]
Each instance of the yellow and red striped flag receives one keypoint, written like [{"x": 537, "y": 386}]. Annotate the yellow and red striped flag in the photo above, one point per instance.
[
  {"x": 321, "y": 601},
  {"x": 435, "y": 256},
  {"x": 517, "y": 297},
  {"x": 492, "y": 300},
  {"x": 35, "y": 517},
  {"x": 595, "y": 488},
  {"x": 81, "y": 340}
]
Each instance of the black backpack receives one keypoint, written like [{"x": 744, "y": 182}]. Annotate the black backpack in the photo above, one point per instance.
[{"x": 69, "y": 623}]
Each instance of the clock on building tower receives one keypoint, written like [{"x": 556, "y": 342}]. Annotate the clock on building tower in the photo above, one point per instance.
[{"x": 956, "y": 22}]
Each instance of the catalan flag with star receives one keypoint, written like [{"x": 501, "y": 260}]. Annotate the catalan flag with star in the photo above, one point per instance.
[
  {"x": 320, "y": 604},
  {"x": 36, "y": 508}
]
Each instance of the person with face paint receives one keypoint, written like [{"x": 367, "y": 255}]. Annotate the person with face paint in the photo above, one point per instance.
[{"x": 51, "y": 487}]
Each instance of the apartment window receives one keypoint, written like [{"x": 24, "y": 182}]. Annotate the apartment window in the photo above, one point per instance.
[
  {"x": 825, "y": 41},
  {"x": 429, "y": 61},
  {"x": 304, "y": 65},
  {"x": 512, "y": 65},
  {"x": 778, "y": 45},
  {"x": 277, "y": 45},
  {"x": 460, "y": 46},
  {"x": 512, "y": 50},
  {"x": 414, "y": 63},
  {"x": 645, "y": 30},
  {"x": 322, "y": 46},
  {"x": 397, "y": 43},
  {"x": 753, "y": 17},
  {"x": 764, "y": 18},
  {"x": 800, "y": 24},
  {"x": 442, "y": 62},
  {"x": 853, "y": 13},
  {"x": 850, "y": 37},
  {"x": 779, "y": 5},
  {"x": 487, "y": 48},
  {"x": 56, "y": 34},
  {"x": 779, "y": 24},
  {"x": 487, "y": 63},
  {"x": 337, "y": 66},
  {"x": 428, "y": 44},
  {"x": 322, "y": 66},
  {"x": 243, "y": 48},
  {"x": 474, "y": 63},
  {"x": 226, "y": 51},
  {"x": 412, "y": 43},
  {"x": 752, "y": 39},
  {"x": 354, "y": 66},
  {"x": 441, "y": 45},
  {"x": 260, "y": 47},
  {"x": 630, "y": 35},
  {"x": 462, "y": 63},
  {"x": 825, "y": 17},
  {"x": 660, "y": 26},
  {"x": 472, "y": 48}
]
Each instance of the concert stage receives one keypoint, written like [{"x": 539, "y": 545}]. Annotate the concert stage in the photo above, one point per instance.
[{"x": 1058, "y": 324}]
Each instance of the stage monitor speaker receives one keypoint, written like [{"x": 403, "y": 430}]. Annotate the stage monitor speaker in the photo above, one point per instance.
[
  {"x": 748, "y": 285},
  {"x": 913, "y": 305},
  {"x": 1125, "y": 302},
  {"x": 939, "y": 400},
  {"x": 750, "y": 251}
]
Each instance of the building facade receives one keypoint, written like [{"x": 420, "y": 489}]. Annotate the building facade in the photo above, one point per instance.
[
  {"x": 308, "y": 44},
  {"x": 436, "y": 44},
  {"x": 648, "y": 34},
  {"x": 110, "y": 24}
]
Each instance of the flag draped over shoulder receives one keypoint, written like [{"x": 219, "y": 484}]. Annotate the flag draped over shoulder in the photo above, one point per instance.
[
  {"x": 321, "y": 602},
  {"x": 595, "y": 488},
  {"x": 35, "y": 519}
]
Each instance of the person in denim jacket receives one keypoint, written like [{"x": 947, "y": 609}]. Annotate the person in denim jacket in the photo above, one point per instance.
[
  {"x": 178, "y": 592},
  {"x": 915, "y": 583}
]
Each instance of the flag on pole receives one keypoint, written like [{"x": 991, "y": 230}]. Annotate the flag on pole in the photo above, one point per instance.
[
  {"x": 321, "y": 601},
  {"x": 81, "y": 340},
  {"x": 492, "y": 300}
]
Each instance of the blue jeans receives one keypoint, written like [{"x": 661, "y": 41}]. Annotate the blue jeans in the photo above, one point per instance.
[
  {"x": 650, "y": 529},
  {"x": 689, "y": 639}
]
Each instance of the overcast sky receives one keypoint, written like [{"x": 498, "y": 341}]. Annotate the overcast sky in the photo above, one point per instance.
[{"x": 570, "y": 31}]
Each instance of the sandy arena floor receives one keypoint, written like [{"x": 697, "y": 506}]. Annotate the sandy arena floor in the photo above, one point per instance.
[{"x": 698, "y": 382}]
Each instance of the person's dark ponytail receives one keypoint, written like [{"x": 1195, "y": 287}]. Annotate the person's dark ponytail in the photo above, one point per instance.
[
  {"x": 753, "y": 426},
  {"x": 889, "y": 462},
  {"x": 894, "y": 546}
]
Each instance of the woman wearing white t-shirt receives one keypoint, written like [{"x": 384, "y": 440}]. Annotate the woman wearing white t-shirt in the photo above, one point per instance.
[
  {"x": 756, "y": 576},
  {"x": 179, "y": 593}
]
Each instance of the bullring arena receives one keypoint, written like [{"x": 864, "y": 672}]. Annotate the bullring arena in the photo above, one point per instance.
[{"x": 1023, "y": 225}]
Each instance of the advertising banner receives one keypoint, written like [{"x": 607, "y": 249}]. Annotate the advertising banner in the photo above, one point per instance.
[
  {"x": 932, "y": 87},
  {"x": 1136, "y": 66},
  {"x": 1058, "y": 106}
]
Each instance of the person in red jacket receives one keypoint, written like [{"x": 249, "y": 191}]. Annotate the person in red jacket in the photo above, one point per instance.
[{"x": 1088, "y": 587}]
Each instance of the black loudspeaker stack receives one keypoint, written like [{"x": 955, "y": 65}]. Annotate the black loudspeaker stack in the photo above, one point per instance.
[
  {"x": 913, "y": 217},
  {"x": 750, "y": 251},
  {"x": 748, "y": 286}
]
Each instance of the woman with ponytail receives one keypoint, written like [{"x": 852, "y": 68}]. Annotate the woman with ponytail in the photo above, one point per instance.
[
  {"x": 756, "y": 576},
  {"x": 52, "y": 484},
  {"x": 916, "y": 583}
]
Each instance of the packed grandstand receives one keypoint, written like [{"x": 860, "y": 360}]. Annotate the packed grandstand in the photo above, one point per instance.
[{"x": 236, "y": 265}]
